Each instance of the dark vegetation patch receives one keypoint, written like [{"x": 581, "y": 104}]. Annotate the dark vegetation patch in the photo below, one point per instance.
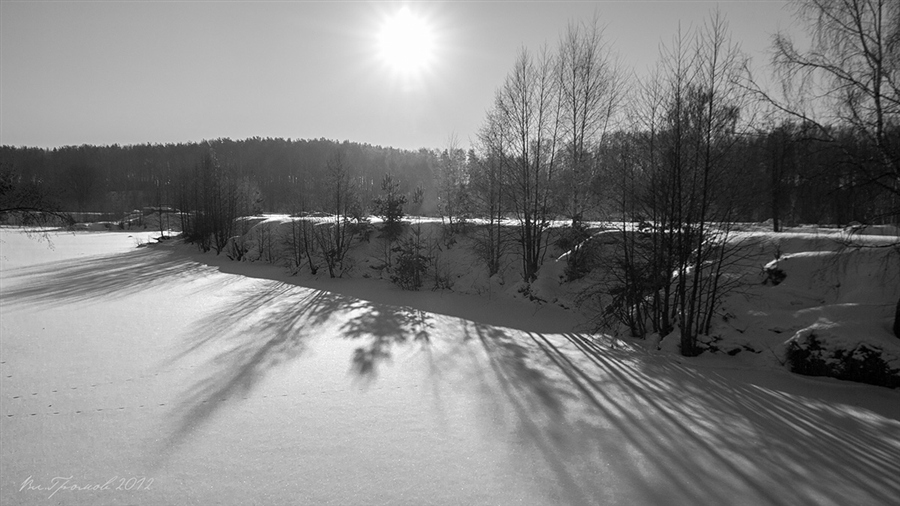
[{"x": 865, "y": 363}]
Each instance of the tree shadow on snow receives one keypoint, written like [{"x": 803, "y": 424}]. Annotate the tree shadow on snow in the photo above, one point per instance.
[
  {"x": 95, "y": 278},
  {"x": 620, "y": 425},
  {"x": 236, "y": 355},
  {"x": 789, "y": 447},
  {"x": 270, "y": 324},
  {"x": 680, "y": 436},
  {"x": 538, "y": 398},
  {"x": 379, "y": 328}
]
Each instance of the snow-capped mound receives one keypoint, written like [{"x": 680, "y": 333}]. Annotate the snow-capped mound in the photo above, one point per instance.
[{"x": 845, "y": 303}]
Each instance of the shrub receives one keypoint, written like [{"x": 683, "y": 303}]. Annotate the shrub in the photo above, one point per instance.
[
  {"x": 389, "y": 207},
  {"x": 809, "y": 356},
  {"x": 410, "y": 264},
  {"x": 575, "y": 240},
  {"x": 235, "y": 249},
  {"x": 774, "y": 275}
]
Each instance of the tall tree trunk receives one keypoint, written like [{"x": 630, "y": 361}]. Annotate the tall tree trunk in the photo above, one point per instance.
[{"x": 897, "y": 320}]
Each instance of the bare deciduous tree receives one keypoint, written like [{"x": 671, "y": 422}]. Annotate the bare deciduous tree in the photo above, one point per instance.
[
  {"x": 336, "y": 238},
  {"x": 848, "y": 78},
  {"x": 488, "y": 190},
  {"x": 454, "y": 202},
  {"x": 27, "y": 203},
  {"x": 676, "y": 189},
  {"x": 591, "y": 90},
  {"x": 526, "y": 116}
]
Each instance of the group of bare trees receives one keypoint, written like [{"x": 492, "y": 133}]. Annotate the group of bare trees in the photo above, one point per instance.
[
  {"x": 834, "y": 117},
  {"x": 211, "y": 198},
  {"x": 536, "y": 150},
  {"x": 680, "y": 155},
  {"x": 23, "y": 202},
  {"x": 676, "y": 186},
  {"x": 848, "y": 80},
  {"x": 555, "y": 144},
  {"x": 454, "y": 201},
  {"x": 325, "y": 238}
]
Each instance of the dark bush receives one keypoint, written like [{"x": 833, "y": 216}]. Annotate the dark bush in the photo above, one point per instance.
[
  {"x": 863, "y": 364},
  {"x": 576, "y": 241},
  {"x": 411, "y": 264},
  {"x": 389, "y": 207},
  {"x": 774, "y": 275}
]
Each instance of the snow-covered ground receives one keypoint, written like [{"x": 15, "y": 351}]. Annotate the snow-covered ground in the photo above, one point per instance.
[{"x": 161, "y": 376}]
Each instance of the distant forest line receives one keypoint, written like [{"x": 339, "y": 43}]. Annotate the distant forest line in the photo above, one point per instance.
[
  {"x": 117, "y": 179},
  {"x": 807, "y": 180}
]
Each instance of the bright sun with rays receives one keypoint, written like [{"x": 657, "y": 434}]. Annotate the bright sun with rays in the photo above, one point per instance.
[{"x": 406, "y": 43}]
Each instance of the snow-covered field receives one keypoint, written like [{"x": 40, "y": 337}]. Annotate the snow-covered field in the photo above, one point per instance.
[{"x": 161, "y": 376}]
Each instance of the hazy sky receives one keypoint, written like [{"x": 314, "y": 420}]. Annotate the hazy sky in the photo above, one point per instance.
[{"x": 130, "y": 72}]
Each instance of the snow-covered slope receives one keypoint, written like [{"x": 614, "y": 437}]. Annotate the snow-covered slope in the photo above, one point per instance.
[
  {"x": 841, "y": 285},
  {"x": 221, "y": 382},
  {"x": 844, "y": 293}
]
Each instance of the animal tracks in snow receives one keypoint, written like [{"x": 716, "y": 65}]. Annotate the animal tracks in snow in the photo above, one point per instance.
[
  {"x": 92, "y": 385},
  {"x": 147, "y": 406}
]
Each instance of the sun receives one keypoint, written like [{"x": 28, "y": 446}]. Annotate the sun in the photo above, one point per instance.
[{"x": 406, "y": 43}]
